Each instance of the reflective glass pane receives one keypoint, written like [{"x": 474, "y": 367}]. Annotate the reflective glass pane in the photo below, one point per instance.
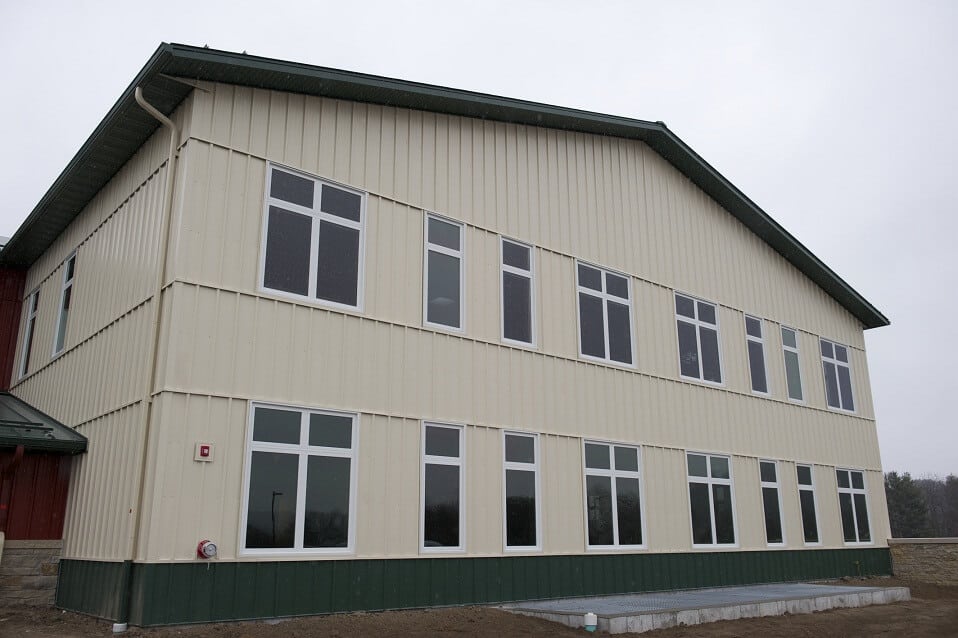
[
  {"x": 773, "y": 516},
  {"x": 591, "y": 328},
  {"x": 719, "y": 467},
  {"x": 341, "y": 203},
  {"x": 809, "y": 520},
  {"x": 520, "y": 508},
  {"x": 756, "y": 366},
  {"x": 848, "y": 517},
  {"x": 597, "y": 456},
  {"x": 626, "y": 459},
  {"x": 629, "y": 511},
  {"x": 804, "y": 475},
  {"x": 286, "y": 265},
  {"x": 698, "y": 465},
  {"x": 767, "y": 471},
  {"x": 845, "y": 385},
  {"x": 326, "y": 521},
  {"x": 827, "y": 349},
  {"x": 442, "y": 297},
  {"x": 291, "y": 188},
  {"x": 831, "y": 384},
  {"x": 516, "y": 255},
  {"x": 442, "y": 441},
  {"x": 276, "y": 426},
  {"x": 71, "y": 268},
  {"x": 701, "y": 516},
  {"x": 63, "y": 319},
  {"x": 620, "y": 333},
  {"x": 706, "y": 312},
  {"x": 841, "y": 353},
  {"x": 271, "y": 512},
  {"x": 331, "y": 430},
  {"x": 441, "y": 506},
  {"x": 444, "y": 234},
  {"x": 753, "y": 327},
  {"x": 724, "y": 526},
  {"x": 858, "y": 480},
  {"x": 599, "y": 509},
  {"x": 516, "y": 307},
  {"x": 616, "y": 285},
  {"x": 842, "y": 476},
  {"x": 684, "y": 306},
  {"x": 688, "y": 350},
  {"x": 520, "y": 449},
  {"x": 793, "y": 375},
  {"x": 590, "y": 277},
  {"x": 861, "y": 517},
  {"x": 788, "y": 338},
  {"x": 337, "y": 269},
  {"x": 711, "y": 367}
]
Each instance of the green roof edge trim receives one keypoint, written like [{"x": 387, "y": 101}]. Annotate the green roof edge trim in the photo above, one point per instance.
[{"x": 49, "y": 218}]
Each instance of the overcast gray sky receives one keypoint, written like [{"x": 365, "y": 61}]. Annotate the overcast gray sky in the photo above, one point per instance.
[{"x": 838, "y": 118}]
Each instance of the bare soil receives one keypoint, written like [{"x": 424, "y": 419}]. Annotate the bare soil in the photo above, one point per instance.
[{"x": 933, "y": 611}]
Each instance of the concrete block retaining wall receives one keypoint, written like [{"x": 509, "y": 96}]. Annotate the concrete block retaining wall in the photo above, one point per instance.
[
  {"x": 929, "y": 560},
  {"x": 28, "y": 572}
]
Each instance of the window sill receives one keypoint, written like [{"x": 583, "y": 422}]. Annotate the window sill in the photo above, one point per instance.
[
  {"x": 313, "y": 302},
  {"x": 616, "y": 549},
  {"x": 608, "y": 362}
]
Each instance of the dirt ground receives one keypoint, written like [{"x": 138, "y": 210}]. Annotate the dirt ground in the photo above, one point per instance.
[{"x": 933, "y": 611}]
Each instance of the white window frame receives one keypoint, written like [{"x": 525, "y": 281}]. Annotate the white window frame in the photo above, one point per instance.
[
  {"x": 808, "y": 488},
  {"x": 852, "y": 491},
  {"x": 525, "y": 467},
  {"x": 442, "y": 460},
  {"x": 761, "y": 342},
  {"x": 838, "y": 364},
  {"x": 798, "y": 357},
  {"x": 304, "y": 451},
  {"x": 67, "y": 285},
  {"x": 458, "y": 254},
  {"x": 605, "y": 297},
  {"x": 317, "y": 216},
  {"x": 730, "y": 481},
  {"x": 519, "y": 272},
  {"x": 699, "y": 324},
  {"x": 613, "y": 474},
  {"x": 777, "y": 486},
  {"x": 29, "y": 332}
]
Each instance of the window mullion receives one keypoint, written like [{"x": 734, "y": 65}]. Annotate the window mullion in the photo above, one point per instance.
[
  {"x": 615, "y": 509},
  {"x": 313, "y": 257},
  {"x": 300, "y": 501}
]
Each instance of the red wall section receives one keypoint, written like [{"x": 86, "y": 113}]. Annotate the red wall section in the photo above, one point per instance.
[
  {"x": 11, "y": 298},
  {"x": 38, "y": 500}
]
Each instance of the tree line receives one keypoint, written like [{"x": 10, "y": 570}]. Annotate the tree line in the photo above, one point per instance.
[{"x": 922, "y": 508}]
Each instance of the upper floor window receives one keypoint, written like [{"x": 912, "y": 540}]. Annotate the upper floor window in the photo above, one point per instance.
[
  {"x": 443, "y": 299},
  {"x": 605, "y": 314},
  {"x": 838, "y": 376},
  {"x": 313, "y": 239},
  {"x": 301, "y": 481},
  {"x": 613, "y": 503},
  {"x": 517, "y": 292},
  {"x": 442, "y": 488},
  {"x": 66, "y": 296},
  {"x": 32, "y": 304},
  {"x": 755, "y": 341},
  {"x": 521, "y": 465},
  {"x": 697, "y": 325},
  {"x": 793, "y": 369},
  {"x": 710, "y": 500},
  {"x": 853, "y": 504}
]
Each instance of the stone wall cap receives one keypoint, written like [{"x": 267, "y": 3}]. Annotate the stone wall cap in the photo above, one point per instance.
[{"x": 923, "y": 541}]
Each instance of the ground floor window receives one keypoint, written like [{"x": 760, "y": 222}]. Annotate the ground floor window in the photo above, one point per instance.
[
  {"x": 521, "y": 465},
  {"x": 854, "y": 506},
  {"x": 806, "y": 497},
  {"x": 710, "y": 499},
  {"x": 442, "y": 488},
  {"x": 613, "y": 501},
  {"x": 771, "y": 503},
  {"x": 300, "y": 481}
]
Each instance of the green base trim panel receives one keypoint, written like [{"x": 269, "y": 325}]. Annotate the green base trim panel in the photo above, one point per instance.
[{"x": 197, "y": 592}]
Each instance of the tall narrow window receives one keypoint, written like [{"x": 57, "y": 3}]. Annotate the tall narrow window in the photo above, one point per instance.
[
  {"x": 605, "y": 314},
  {"x": 697, "y": 326},
  {"x": 66, "y": 295},
  {"x": 755, "y": 341},
  {"x": 517, "y": 292},
  {"x": 853, "y": 504},
  {"x": 313, "y": 239},
  {"x": 443, "y": 302},
  {"x": 31, "y": 324},
  {"x": 838, "y": 376},
  {"x": 301, "y": 481},
  {"x": 771, "y": 503},
  {"x": 710, "y": 500},
  {"x": 806, "y": 497},
  {"x": 613, "y": 502},
  {"x": 793, "y": 370},
  {"x": 521, "y": 491},
  {"x": 442, "y": 488}
]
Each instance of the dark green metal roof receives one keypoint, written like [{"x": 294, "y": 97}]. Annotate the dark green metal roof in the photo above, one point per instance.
[
  {"x": 126, "y": 127},
  {"x": 22, "y": 424}
]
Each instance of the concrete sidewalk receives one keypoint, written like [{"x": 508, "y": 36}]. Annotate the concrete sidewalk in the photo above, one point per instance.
[{"x": 645, "y": 612}]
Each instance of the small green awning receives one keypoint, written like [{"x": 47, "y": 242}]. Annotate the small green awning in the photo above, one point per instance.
[{"x": 22, "y": 424}]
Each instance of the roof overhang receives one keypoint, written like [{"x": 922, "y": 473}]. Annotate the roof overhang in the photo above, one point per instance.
[
  {"x": 126, "y": 127},
  {"x": 22, "y": 424}
]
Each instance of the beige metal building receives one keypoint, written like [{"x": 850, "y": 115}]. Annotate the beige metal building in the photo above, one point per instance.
[{"x": 388, "y": 345}]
